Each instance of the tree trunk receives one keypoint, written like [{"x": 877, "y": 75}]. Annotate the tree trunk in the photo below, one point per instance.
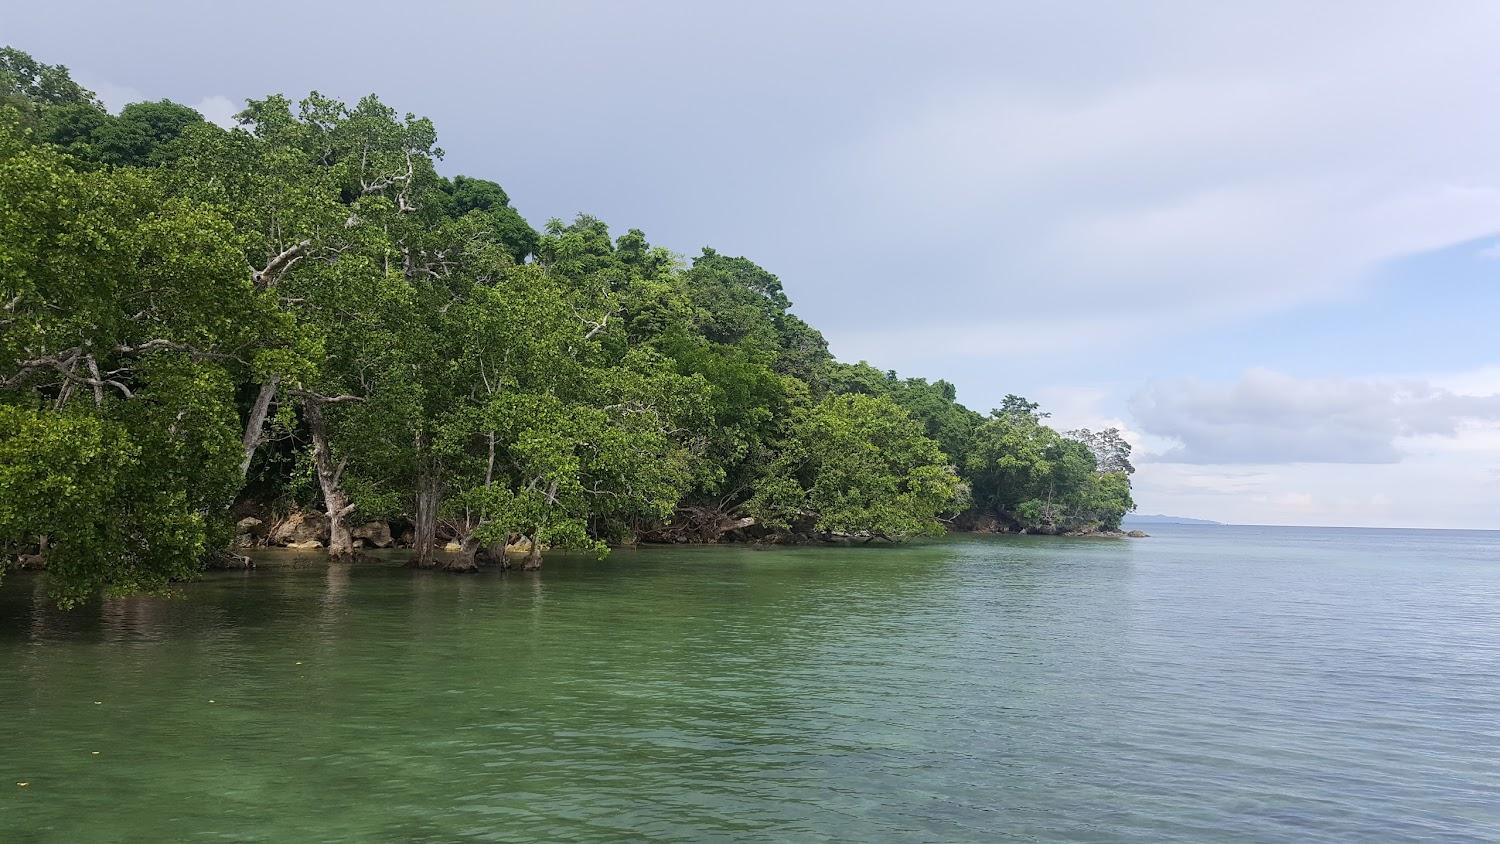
[
  {"x": 534, "y": 556},
  {"x": 429, "y": 495},
  {"x": 330, "y": 475},
  {"x": 489, "y": 467},
  {"x": 467, "y": 557},
  {"x": 255, "y": 425}
]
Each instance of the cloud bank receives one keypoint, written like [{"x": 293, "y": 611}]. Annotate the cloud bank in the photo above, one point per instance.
[{"x": 1269, "y": 418}]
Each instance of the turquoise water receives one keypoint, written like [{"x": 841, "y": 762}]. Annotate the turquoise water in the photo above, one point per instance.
[{"x": 1207, "y": 684}]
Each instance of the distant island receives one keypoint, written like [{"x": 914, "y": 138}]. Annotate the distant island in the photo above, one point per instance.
[{"x": 1157, "y": 519}]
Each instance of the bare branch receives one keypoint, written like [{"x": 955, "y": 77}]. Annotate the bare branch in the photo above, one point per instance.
[
  {"x": 255, "y": 425},
  {"x": 173, "y": 346},
  {"x": 594, "y": 332},
  {"x": 97, "y": 384},
  {"x": 309, "y": 395},
  {"x": 279, "y": 264}
]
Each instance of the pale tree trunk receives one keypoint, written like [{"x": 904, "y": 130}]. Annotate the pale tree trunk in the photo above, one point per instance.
[
  {"x": 468, "y": 553},
  {"x": 255, "y": 425},
  {"x": 469, "y": 547},
  {"x": 330, "y": 475},
  {"x": 534, "y": 556},
  {"x": 489, "y": 467}
]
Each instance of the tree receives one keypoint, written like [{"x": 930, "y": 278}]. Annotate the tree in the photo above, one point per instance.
[
  {"x": 140, "y": 134},
  {"x": 1034, "y": 478},
  {"x": 1111, "y": 451},
  {"x": 562, "y": 473},
  {"x": 302, "y": 312},
  {"x": 24, "y": 81},
  {"x": 336, "y": 203},
  {"x": 125, "y": 317},
  {"x": 491, "y": 204},
  {"x": 1106, "y": 497},
  {"x": 859, "y": 465},
  {"x": 1007, "y": 463}
]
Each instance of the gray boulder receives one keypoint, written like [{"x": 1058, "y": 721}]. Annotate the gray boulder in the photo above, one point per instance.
[
  {"x": 300, "y": 528},
  {"x": 376, "y": 534}
]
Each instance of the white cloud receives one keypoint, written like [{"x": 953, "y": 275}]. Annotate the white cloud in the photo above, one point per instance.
[
  {"x": 1272, "y": 449},
  {"x": 1423, "y": 491},
  {"x": 1248, "y": 173},
  {"x": 976, "y": 339},
  {"x": 1270, "y": 418},
  {"x": 114, "y": 97},
  {"x": 215, "y": 108},
  {"x": 219, "y": 110}
]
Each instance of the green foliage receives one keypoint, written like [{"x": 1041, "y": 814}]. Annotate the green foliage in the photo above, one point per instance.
[
  {"x": 303, "y": 310},
  {"x": 26, "y": 82},
  {"x": 491, "y": 205},
  {"x": 125, "y": 311},
  {"x": 1035, "y": 477},
  {"x": 141, "y": 134},
  {"x": 859, "y": 464}
]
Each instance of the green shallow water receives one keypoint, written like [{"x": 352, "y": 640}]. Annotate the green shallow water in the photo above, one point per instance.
[{"x": 1208, "y": 684}]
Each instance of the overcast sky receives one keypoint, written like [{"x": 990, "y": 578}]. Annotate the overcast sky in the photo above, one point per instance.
[{"x": 1259, "y": 237}]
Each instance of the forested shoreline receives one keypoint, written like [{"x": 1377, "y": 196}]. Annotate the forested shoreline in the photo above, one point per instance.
[{"x": 301, "y": 318}]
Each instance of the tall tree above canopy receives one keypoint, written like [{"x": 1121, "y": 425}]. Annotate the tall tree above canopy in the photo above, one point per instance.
[
  {"x": 1110, "y": 449},
  {"x": 740, "y": 303},
  {"x": 737, "y": 301},
  {"x": 490, "y": 203},
  {"x": 140, "y": 133},
  {"x": 26, "y": 81}
]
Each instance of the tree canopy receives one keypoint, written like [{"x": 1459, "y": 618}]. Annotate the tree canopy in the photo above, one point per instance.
[{"x": 303, "y": 313}]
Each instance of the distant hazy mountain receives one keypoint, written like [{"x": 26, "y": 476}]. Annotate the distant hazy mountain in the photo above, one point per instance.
[{"x": 1148, "y": 519}]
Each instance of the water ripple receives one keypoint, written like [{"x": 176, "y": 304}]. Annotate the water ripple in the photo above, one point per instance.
[{"x": 1204, "y": 685}]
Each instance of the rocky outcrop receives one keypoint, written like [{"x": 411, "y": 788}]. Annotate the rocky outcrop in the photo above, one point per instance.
[
  {"x": 980, "y": 523},
  {"x": 700, "y": 524},
  {"x": 515, "y": 551},
  {"x": 249, "y": 532},
  {"x": 375, "y": 534},
  {"x": 300, "y": 528}
]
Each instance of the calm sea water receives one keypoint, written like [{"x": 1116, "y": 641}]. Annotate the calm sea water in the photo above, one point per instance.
[{"x": 1207, "y": 684}]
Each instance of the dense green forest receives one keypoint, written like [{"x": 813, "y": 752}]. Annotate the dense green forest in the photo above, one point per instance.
[{"x": 302, "y": 315}]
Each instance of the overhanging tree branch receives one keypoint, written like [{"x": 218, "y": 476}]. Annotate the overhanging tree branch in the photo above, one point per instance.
[{"x": 279, "y": 264}]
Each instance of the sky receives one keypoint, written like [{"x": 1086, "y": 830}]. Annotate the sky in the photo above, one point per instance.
[{"x": 1263, "y": 239}]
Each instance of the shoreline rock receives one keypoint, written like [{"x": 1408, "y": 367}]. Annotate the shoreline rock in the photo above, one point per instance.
[
  {"x": 299, "y": 528},
  {"x": 374, "y": 533}
]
